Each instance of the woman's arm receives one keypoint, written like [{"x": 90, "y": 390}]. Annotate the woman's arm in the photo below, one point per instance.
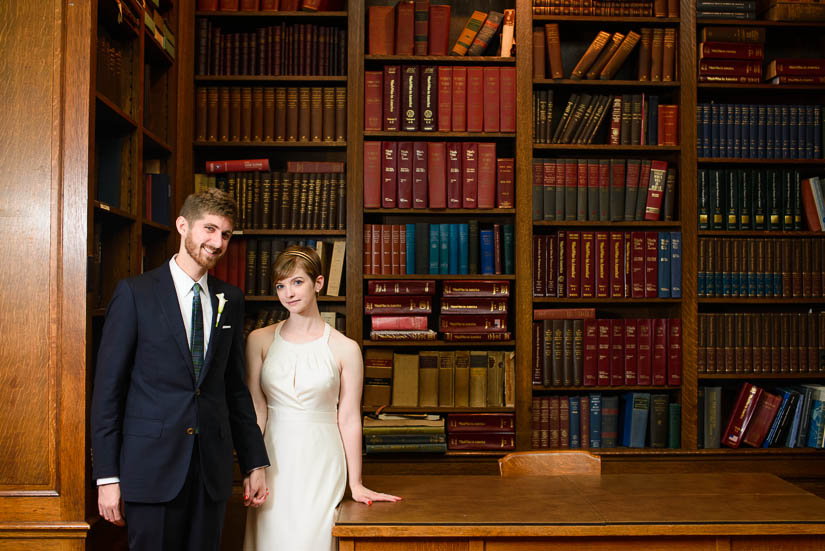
[{"x": 255, "y": 351}]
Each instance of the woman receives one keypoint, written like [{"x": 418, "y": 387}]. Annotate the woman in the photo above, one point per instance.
[{"x": 305, "y": 379}]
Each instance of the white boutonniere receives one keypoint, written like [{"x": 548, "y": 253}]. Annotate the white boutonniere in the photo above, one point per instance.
[{"x": 221, "y": 303}]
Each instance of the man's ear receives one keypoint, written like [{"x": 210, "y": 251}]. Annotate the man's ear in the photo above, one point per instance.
[{"x": 182, "y": 225}]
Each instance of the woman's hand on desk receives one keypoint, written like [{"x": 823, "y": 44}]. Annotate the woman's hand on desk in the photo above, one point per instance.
[{"x": 365, "y": 495}]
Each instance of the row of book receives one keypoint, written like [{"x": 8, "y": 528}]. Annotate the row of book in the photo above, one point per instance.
[
  {"x": 588, "y": 264},
  {"x": 782, "y": 417},
  {"x": 283, "y": 200},
  {"x": 271, "y": 114},
  {"x": 725, "y": 9},
  {"x": 269, "y": 316},
  {"x": 424, "y": 248},
  {"x": 573, "y": 348},
  {"x": 270, "y": 5},
  {"x": 261, "y": 255},
  {"x": 760, "y": 267},
  {"x": 753, "y": 199},
  {"x": 429, "y": 98},
  {"x": 603, "y": 190},
  {"x": 595, "y": 420},
  {"x": 110, "y": 78},
  {"x": 761, "y": 342},
  {"x": 436, "y": 175},
  {"x": 759, "y": 131},
  {"x": 419, "y": 28},
  {"x": 273, "y": 50},
  {"x": 431, "y": 378},
  {"x": 426, "y": 433},
  {"x": 624, "y": 8}
]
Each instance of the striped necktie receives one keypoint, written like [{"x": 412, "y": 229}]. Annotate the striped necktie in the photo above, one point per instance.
[{"x": 197, "y": 331}]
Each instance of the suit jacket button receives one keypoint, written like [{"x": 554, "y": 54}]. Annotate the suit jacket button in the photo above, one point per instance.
[
  {"x": 190, "y": 430},
  {"x": 197, "y": 392}
]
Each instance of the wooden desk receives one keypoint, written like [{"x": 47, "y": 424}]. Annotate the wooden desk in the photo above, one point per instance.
[{"x": 585, "y": 512}]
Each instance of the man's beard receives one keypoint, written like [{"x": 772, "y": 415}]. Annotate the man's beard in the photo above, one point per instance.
[{"x": 200, "y": 256}]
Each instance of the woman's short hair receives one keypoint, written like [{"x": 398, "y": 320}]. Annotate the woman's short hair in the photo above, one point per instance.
[{"x": 293, "y": 258}]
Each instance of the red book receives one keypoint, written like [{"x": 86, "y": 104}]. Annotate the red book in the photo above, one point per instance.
[
  {"x": 422, "y": 26},
  {"x": 472, "y": 305},
  {"x": 651, "y": 264},
  {"x": 630, "y": 350},
  {"x": 405, "y": 174},
  {"x": 404, "y": 23},
  {"x": 419, "y": 183},
  {"x": 492, "y": 98},
  {"x": 481, "y": 441},
  {"x": 403, "y": 305},
  {"x": 472, "y": 323},
  {"x": 644, "y": 351},
  {"x": 486, "y": 175},
  {"x": 394, "y": 287},
  {"x": 668, "y": 128},
  {"x": 741, "y": 415},
  {"x": 616, "y": 257},
  {"x": 475, "y": 288},
  {"x": 637, "y": 263},
  {"x": 389, "y": 174},
  {"x": 459, "y": 103},
  {"x": 469, "y": 183},
  {"x": 438, "y": 41},
  {"x": 617, "y": 352},
  {"x": 242, "y": 165},
  {"x": 269, "y": 5},
  {"x": 229, "y": 5},
  {"x": 372, "y": 175},
  {"x": 392, "y": 97},
  {"x": 386, "y": 249},
  {"x": 602, "y": 265},
  {"x": 573, "y": 263},
  {"x": 628, "y": 266},
  {"x": 367, "y": 249},
  {"x": 437, "y": 170},
  {"x": 375, "y": 249},
  {"x": 655, "y": 190},
  {"x": 250, "y": 5},
  {"x": 454, "y": 175},
  {"x": 581, "y": 184},
  {"x": 603, "y": 353},
  {"x": 795, "y": 67},
  {"x": 674, "y": 346},
  {"x": 402, "y": 261},
  {"x": 584, "y": 421},
  {"x": 207, "y": 5},
  {"x": 477, "y": 336},
  {"x": 588, "y": 264},
  {"x": 730, "y": 67},
  {"x": 480, "y": 422},
  {"x": 505, "y": 172},
  {"x": 591, "y": 352},
  {"x": 497, "y": 262},
  {"x": 659, "y": 363},
  {"x": 475, "y": 99},
  {"x": 604, "y": 188},
  {"x": 564, "y": 313},
  {"x": 507, "y": 113},
  {"x": 445, "y": 98},
  {"x": 760, "y": 424},
  {"x": 373, "y": 100},
  {"x": 381, "y": 30},
  {"x": 398, "y": 323},
  {"x": 395, "y": 249}
]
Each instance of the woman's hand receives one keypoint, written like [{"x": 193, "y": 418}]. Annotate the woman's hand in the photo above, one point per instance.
[{"x": 365, "y": 495}]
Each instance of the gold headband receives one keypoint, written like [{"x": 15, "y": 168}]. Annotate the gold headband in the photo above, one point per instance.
[{"x": 302, "y": 254}]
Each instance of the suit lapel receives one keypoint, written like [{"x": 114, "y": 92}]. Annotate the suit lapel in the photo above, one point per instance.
[
  {"x": 214, "y": 336},
  {"x": 168, "y": 300}
]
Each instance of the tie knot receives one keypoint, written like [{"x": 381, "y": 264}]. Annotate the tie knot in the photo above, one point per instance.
[{"x": 196, "y": 288}]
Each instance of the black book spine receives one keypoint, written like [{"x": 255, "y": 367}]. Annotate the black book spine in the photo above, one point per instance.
[
  {"x": 745, "y": 199},
  {"x": 703, "y": 195}
]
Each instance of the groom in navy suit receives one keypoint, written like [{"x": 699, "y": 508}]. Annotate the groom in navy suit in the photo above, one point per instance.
[{"x": 170, "y": 400}]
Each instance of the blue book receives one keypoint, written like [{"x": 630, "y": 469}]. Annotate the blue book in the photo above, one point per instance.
[
  {"x": 729, "y": 148},
  {"x": 745, "y": 126},
  {"x": 761, "y": 131},
  {"x": 435, "y": 248},
  {"x": 508, "y": 245},
  {"x": 444, "y": 248},
  {"x": 703, "y": 129},
  {"x": 785, "y": 125},
  {"x": 796, "y": 420},
  {"x": 770, "y": 131},
  {"x": 714, "y": 130},
  {"x": 637, "y": 409},
  {"x": 575, "y": 420},
  {"x": 487, "y": 262},
  {"x": 723, "y": 130},
  {"x": 808, "y": 140},
  {"x": 753, "y": 130},
  {"x": 452, "y": 267},
  {"x": 738, "y": 123},
  {"x": 797, "y": 122},
  {"x": 410, "y": 241},
  {"x": 463, "y": 249},
  {"x": 817, "y": 132},
  {"x": 780, "y": 412},
  {"x": 664, "y": 264},
  {"x": 676, "y": 264},
  {"x": 807, "y": 400},
  {"x": 595, "y": 420},
  {"x": 653, "y": 120},
  {"x": 311, "y": 243}
]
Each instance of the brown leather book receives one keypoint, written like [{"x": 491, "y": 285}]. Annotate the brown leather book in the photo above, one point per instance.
[
  {"x": 280, "y": 114},
  {"x": 316, "y": 114},
  {"x": 257, "y": 114},
  {"x": 266, "y": 201},
  {"x": 702, "y": 343},
  {"x": 269, "y": 114},
  {"x": 404, "y": 23},
  {"x": 235, "y": 113},
  {"x": 327, "y": 113},
  {"x": 256, "y": 204},
  {"x": 713, "y": 333},
  {"x": 202, "y": 116},
  {"x": 275, "y": 220},
  {"x": 551, "y": 32},
  {"x": 590, "y": 55},
  {"x": 223, "y": 114},
  {"x": 538, "y": 54},
  {"x": 645, "y": 45},
  {"x": 246, "y": 114},
  {"x": 340, "y": 114},
  {"x": 620, "y": 56},
  {"x": 303, "y": 113},
  {"x": 657, "y": 55},
  {"x": 381, "y": 22},
  {"x": 212, "y": 113},
  {"x": 669, "y": 56},
  {"x": 292, "y": 114},
  {"x": 612, "y": 45},
  {"x": 660, "y": 8}
]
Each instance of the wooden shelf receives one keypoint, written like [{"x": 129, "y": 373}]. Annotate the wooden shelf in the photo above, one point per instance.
[
  {"x": 607, "y": 148},
  {"x": 759, "y": 23},
  {"x": 456, "y": 135},
  {"x": 271, "y": 145},
  {"x": 270, "y": 298},
  {"x": 743, "y": 376},
  {"x": 731, "y": 161},
  {"x": 605, "y": 225},
  {"x": 155, "y": 52},
  {"x": 442, "y": 59},
  {"x": 775, "y": 88},
  {"x": 437, "y": 410},
  {"x": 153, "y": 144},
  {"x": 621, "y": 388},
  {"x": 322, "y": 233},
  {"x": 114, "y": 212},
  {"x": 472, "y": 277},
  {"x": 602, "y": 83},
  {"x": 664, "y": 21},
  {"x": 761, "y": 300},
  {"x": 270, "y": 78},
  {"x": 430, "y": 212},
  {"x": 760, "y": 233},
  {"x": 273, "y": 14},
  {"x": 113, "y": 110},
  {"x": 150, "y": 225},
  {"x": 624, "y": 301},
  {"x": 437, "y": 344}
]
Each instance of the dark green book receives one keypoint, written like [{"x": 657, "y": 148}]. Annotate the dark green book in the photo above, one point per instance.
[
  {"x": 674, "y": 426},
  {"x": 538, "y": 190},
  {"x": 560, "y": 191},
  {"x": 796, "y": 182},
  {"x": 745, "y": 199},
  {"x": 582, "y": 184},
  {"x": 549, "y": 190},
  {"x": 774, "y": 196},
  {"x": 759, "y": 211},
  {"x": 604, "y": 190},
  {"x": 658, "y": 420},
  {"x": 787, "y": 200},
  {"x": 593, "y": 189},
  {"x": 508, "y": 246},
  {"x": 716, "y": 200}
]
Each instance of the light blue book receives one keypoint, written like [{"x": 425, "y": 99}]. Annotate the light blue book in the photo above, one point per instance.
[
  {"x": 435, "y": 248},
  {"x": 410, "y": 229},
  {"x": 790, "y": 441},
  {"x": 817, "y": 423},
  {"x": 453, "y": 249},
  {"x": 637, "y": 409},
  {"x": 463, "y": 248},
  {"x": 444, "y": 248}
]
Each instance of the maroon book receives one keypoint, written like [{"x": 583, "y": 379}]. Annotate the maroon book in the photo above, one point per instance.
[
  {"x": 539, "y": 265},
  {"x": 397, "y": 305},
  {"x": 421, "y": 26},
  {"x": 373, "y": 100},
  {"x": 398, "y": 323},
  {"x": 617, "y": 352},
  {"x": 603, "y": 352},
  {"x": 367, "y": 249},
  {"x": 445, "y": 98},
  {"x": 473, "y": 305},
  {"x": 419, "y": 183},
  {"x": 507, "y": 108},
  {"x": 602, "y": 264},
  {"x": 454, "y": 175},
  {"x": 591, "y": 352},
  {"x": 484, "y": 336},
  {"x": 588, "y": 264},
  {"x": 439, "y": 31},
  {"x": 469, "y": 184},
  {"x": 644, "y": 350},
  {"x": 762, "y": 419},
  {"x": 381, "y": 30},
  {"x": 375, "y": 248},
  {"x": 731, "y": 50},
  {"x": 428, "y": 108},
  {"x": 630, "y": 367},
  {"x": 475, "y": 99},
  {"x": 391, "y": 97},
  {"x": 389, "y": 174},
  {"x": 480, "y": 422},
  {"x": 560, "y": 264},
  {"x": 505, "y": 173},
  {"x": 437, "y": 172},
  {"x": 395, "y": 249},
  {"x": 573, "y": 264},
  {"x": 741, "y": 415},
  {"x": 410, "y": 90},
  {"x": 497, "y": 262},
  {"x": 659, "y": 363},
  {"x": 674, "y": 345},
  {"x": 481, "y": 441},
  {"x": 472, "y": 323},
  {"x": 405, "y": 174},
  {"x": 372, "y": 175},
  {"x": 486, "y": 175},
  {"x": 651, "y": 264},
  {"x": 401, "y": 287},
  {"x": 404, "y": 23},
  {"x": 564, "y": 313},
  {"x": 492, "y": 98},
  {"x": 386, "y": 250},
  {"x": 459, "y": 99},
  {"x": 552, "y": 273},
  {"x": 475, "y": 288}
]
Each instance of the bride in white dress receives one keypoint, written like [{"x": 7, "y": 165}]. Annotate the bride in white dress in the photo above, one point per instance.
[{"x": 305, "y": 379}]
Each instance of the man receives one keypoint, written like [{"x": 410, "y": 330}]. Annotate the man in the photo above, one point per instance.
[{"x": 170, "y": 399}]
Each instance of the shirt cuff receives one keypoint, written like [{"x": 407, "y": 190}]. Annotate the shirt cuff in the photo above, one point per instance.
[
  {"x": 257, "y": 468},
  {"x": 109, "y": 480}
]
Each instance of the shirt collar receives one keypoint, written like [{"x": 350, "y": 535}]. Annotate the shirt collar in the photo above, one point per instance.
[{"x": 183, "y": 283}]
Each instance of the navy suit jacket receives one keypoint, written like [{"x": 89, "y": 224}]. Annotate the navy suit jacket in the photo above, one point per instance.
[{"x": 146, "y": 402}]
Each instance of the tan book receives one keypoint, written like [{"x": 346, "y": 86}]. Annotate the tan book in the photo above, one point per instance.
[
  {"x": 551, "y": 33},
  {"x": 538, "y": 54},
  {"x": 212, "y": 113},
  {"x": 657, "y": 55},
  {"x": 590, "y": 55},
  {"x": 316, "y": 114},
  {"x": 428, "y": 378},
  {"x": 669, "y": 56},
  {"x": 292, "y": 114},
  {"x": 509, "y": 379},
  {"x": 234, "y": 113},
  {"x": 620, "y": 56},
  {"x": 336, "y": 267},
  {"x": 201, "y": 103},
  {"x": 328, "y": 115},
  {"x": 468, "y": 34},
  {"x": 304, "y": 110},
  {"x": 446, "y": 379},
  {"x": 462, "y": 378},
  {"x": 340, "y": 114},
  {"x": 645, "y": 44},
  {"x": 612, "y": 45},
  {"x": 405, "y": 380},
  {"x": 478, "y": 379},
  {"x": 280, "y": 114},
  {"x": 495, "y": 378}
]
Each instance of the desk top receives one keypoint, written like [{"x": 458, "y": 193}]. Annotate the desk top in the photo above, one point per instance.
[{"x": 586, "y": 505}]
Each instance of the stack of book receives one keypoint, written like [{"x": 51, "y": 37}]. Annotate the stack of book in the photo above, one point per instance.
[
  {"x": 481, "y": 431},
  {"x": 796, "y": 71},
  {"x": 737, "y": 62},
  {"x": 474, "y": 311},
  {"x": 386, "y": 433},
  {"x": 596, "y": 420},
  {"x": 725, "y": 9},
  {"x": 640, "y": 8},
  {"x": 398, "y": 310},
  {"x": 791, "y": 10}
]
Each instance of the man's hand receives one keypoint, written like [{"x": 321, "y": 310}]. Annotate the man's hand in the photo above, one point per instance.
[
  {"x": 254, "y": 488},
  {"x": 109, "y": 503}
]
